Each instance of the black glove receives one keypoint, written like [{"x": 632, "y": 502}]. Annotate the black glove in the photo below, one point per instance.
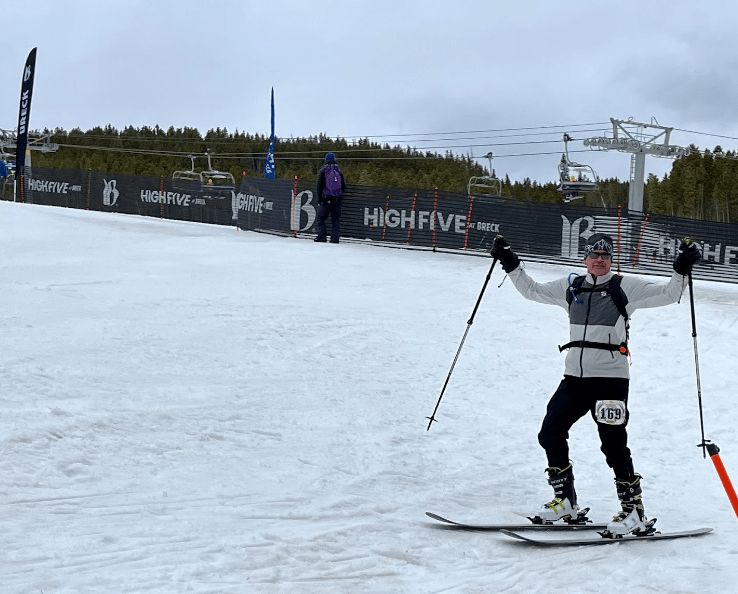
[
  {"x": 689, "y": 255},
  {"x": 501, "y": 251}
]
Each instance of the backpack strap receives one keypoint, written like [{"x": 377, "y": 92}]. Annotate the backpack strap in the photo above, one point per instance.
[
  {"x": 619, "y": 297},
  {"x": 575, "y": 287}
]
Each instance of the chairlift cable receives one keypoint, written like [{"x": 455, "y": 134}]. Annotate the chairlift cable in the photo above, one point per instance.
[
  {"x": 298, "y": 154},
  {"x": 235, "y": 140},
  {"x": 478, "y": 131},
  {"x": 707, "y": 134}
]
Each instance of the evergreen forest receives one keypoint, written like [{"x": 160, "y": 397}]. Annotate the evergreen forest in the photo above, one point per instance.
[{"x": 703, "y": 185}]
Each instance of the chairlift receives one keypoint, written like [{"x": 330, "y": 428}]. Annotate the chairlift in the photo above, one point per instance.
[
  {"x": 212, "y": 177},
  {"x": 575, "y": 178},
  {"x": 8, "y": 158},
  {"x": 7, "y": 142},
  {"x": 188, "y": 181},
  {"x": 217, "y": 184},
  {"x": 214, "y": 183},
  {"x": 489, "y": 185}
]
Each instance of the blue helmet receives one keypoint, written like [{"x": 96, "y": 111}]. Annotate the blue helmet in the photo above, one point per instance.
[{"x": 330, "y": 157}]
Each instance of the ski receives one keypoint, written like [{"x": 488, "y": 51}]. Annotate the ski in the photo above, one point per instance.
[
  {"x": 601, "y": 540},
  {"x": 513, "y": 527}
]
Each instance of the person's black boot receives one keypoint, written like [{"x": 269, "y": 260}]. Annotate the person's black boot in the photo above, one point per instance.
[
  {"x": 632, "y": 516},
  {"x": 564, "y": 504}
]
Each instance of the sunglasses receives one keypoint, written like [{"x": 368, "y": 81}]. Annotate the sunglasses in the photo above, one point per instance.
[{"x": 595, "y": 255}]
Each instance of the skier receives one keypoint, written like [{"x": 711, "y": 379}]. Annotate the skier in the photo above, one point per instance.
[
  {"x": 596, "y": 374},
  {"x": 330, "y": 189},
  {"x": 3, "y": 177}
]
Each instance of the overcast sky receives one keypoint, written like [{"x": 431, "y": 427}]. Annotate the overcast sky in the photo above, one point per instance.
[{"x": 384, "y": 68}]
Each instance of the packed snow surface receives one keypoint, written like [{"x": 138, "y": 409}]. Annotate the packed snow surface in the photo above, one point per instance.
[{"x": 192, "y": 408}]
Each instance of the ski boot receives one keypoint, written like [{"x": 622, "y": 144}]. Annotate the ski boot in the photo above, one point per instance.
[
  {"x": 632, "y": 518},
  {"x": 564, "y": 504}
]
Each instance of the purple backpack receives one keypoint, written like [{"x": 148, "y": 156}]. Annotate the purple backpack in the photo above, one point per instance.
[{"x": 332, "y": 181}]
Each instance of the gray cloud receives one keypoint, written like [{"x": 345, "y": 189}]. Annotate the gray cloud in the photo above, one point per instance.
[{"x": 382, "y": 68}]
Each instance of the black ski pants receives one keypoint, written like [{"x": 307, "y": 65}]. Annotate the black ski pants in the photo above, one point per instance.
[
  {"x": 574, "y": 398},
  {"x": 330, "y": 207}
]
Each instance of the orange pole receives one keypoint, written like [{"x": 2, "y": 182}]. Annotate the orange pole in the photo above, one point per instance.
[
  {"x": 384, "y": 228},
  {"x": 640, "y": 240},
  {"x": 468, "y": 220},
  {"x": 435, "y": 210},
  {"x": 294, "y": 197},
  {"x": 713, "y": 450},
  {"x": 412, "y": 210},
  {"x": 618, "y": 250}
]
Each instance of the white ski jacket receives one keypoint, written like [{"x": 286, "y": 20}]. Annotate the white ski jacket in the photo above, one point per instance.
[{"x": 594, "y": 317}]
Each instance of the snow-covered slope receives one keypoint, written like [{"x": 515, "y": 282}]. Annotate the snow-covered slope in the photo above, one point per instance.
[{"x": 191, "y": 408}]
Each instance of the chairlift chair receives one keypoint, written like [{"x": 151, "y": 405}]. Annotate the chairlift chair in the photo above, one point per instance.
[
  {"x": 188, "y": 181},
  {"x": 217, "y": 184},
  {"x": 574, "y": 178},
  {"x": 9, "y": 159},
  {"x": 485, "y": 183},
  {"x": 217, "y": 179}
]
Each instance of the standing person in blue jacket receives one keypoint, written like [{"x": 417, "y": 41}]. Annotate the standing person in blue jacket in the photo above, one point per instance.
[
  {"x": 596, "y": 371},
  {"x": 330, "y": 190},
  {"x": 3, "y": 177}
]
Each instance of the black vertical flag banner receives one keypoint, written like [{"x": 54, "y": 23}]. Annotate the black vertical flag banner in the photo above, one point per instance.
[{"x": 24, "y": 113}]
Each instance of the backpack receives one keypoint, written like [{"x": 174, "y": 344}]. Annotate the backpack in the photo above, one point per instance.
[
  {"x": 619, "y": 299},
  {"x": 332, "y": 181}
]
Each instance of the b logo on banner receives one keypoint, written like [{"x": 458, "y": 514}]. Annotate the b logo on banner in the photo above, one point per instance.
[
  {"x": 298, "y": 207},
  {"x": 110, "y": 193},
  {"x": 570, "y": 234}
]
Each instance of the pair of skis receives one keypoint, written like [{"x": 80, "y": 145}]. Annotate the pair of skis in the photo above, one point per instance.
[{"x": 513, "y": 531}]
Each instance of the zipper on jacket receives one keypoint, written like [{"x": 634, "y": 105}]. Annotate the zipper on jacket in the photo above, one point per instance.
[{"x": 586, "y": 325}]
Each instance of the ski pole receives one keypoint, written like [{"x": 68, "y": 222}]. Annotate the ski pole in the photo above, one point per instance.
[
  {"x": 707, "y": 447},
  {"x": 468, "y": 325},
  {"x": 703, "y": 445},
  {"x": 713, "y": 450}
]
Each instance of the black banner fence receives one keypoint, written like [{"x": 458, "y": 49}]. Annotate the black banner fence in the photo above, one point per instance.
[{"x": 423, "y": 219}]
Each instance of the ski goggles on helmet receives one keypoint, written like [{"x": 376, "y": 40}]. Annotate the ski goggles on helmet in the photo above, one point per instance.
[{"x": 595, "y": 255}]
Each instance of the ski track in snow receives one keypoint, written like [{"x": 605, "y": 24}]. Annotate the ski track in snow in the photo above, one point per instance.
[{"x": 190, "y": 408}]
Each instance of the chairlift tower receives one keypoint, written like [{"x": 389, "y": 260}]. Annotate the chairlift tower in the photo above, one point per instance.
[{"x": 639, "y": 140}]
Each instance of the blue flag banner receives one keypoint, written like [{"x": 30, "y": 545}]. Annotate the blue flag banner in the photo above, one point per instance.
[
  {"x": 269, "y": 166},
  {"x": 24, "y": 112}
]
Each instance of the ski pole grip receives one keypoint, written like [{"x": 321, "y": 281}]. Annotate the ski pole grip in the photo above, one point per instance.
[{"x": 713, "y": 450}]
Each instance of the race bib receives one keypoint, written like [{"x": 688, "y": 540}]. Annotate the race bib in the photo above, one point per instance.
[{"x": 610, "y": 412}]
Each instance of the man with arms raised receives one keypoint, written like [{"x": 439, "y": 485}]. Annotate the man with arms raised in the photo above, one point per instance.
[{"x": 596, "y": 375}]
